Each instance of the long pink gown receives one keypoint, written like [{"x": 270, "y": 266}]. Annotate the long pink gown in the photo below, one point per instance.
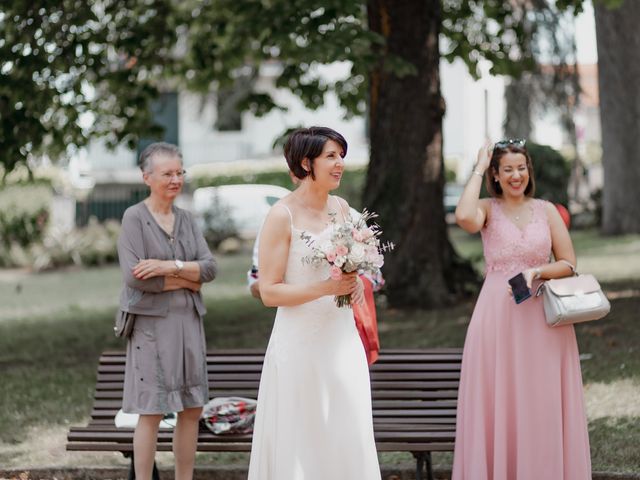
[{"x": 521, "y": 412}]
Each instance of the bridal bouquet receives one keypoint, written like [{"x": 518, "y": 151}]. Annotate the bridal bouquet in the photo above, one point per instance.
[{"x": 351, "y": 246}]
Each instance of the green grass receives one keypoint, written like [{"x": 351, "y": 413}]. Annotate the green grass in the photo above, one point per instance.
[
  {"x": 53, "y": 327},
  {"x": 614, "y": 444}
]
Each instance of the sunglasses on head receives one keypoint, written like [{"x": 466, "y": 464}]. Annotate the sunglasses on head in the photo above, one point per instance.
[{"x": 516, "y": 142}]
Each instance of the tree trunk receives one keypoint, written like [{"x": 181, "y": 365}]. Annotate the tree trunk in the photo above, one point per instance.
[
  {"x": 405, "y": 180},
  {"x": 518, "y": 96},
  {"x": 618, "y": 39}
]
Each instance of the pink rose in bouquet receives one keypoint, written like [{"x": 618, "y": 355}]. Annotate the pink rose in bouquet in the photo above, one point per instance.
[{"x": 335, "y": 272}]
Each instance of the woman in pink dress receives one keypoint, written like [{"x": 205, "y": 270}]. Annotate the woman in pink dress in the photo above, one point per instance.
[{"x": 520, "y": 405}]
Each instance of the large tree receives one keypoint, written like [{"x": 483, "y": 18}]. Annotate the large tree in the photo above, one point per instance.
[
  {"x": 618, "y": 39},
  {"x": 393, "y": 48},
  {"x": 405, "y": 179}
]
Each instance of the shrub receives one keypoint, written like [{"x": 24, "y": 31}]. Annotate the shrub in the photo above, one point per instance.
[
  {"x": 100, "y": 242},
  {"x": 14, "y": 255},
  {"x": 24, "y": 213},
  {"x": 95, "y": 244},
  {"x": 218, "y": 224},
  {"x": 552, "y": 173}
]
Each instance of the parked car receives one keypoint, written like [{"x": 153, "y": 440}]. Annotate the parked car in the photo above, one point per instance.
[
  {"x": 234, "y": 210},
  {"x": 239, "y": 210}
]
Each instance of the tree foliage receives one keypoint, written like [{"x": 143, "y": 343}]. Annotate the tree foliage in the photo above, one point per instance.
[
  {"x": 551, "y": 171},
  {"x": 72, "y": 69},
  {"x": 75, "y": 69}
]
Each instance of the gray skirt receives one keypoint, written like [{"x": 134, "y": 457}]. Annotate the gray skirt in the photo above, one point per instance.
[{"x": 166, "y": 369}]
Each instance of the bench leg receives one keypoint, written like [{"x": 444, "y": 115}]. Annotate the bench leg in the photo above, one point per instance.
[
  {"x": 423, "y": 466},
  {"x": 429, "y": 466},
  {"x": 155, "y": 475}
]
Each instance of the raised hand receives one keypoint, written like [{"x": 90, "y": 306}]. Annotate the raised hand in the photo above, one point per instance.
[{"x": 484, "y": 157}]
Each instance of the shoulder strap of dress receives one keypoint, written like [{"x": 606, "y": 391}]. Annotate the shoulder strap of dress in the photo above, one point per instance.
[
  {"x": 541, "y": 206},
  {"x": 493, "y": 208},
  {"x": 344, "y": 218},
  {"x": 288, "y": 211}
]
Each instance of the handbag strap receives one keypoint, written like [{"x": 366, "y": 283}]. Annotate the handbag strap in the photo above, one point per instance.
[
  {"x": 573, "y": 272},
  {"x": 570, "y": 265}
]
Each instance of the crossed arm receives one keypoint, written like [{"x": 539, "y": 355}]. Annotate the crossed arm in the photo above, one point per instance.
[{"x": 154, "y": 275}]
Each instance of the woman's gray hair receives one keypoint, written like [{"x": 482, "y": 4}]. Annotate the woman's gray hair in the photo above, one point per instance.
[{"x": 163, "y": 148}]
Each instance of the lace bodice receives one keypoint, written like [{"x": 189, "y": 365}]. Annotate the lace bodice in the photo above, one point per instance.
[{"x": 509, "y": 249}]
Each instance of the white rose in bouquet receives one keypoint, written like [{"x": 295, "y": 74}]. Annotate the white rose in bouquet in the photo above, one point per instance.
[{"x": 357, "y": 254}]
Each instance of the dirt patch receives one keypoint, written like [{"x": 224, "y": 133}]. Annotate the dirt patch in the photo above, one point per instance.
[{"x": 613, "y": 399}]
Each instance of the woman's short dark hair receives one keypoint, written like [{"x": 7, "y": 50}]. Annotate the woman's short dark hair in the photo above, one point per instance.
[
  {"x": 308, "y": 143},
  {"x": 493, "y": 187},
  {"x": 163, "y": 148}
]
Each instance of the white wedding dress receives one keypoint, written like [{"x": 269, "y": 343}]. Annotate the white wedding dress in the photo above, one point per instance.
[{"x": 313, "y": 418}]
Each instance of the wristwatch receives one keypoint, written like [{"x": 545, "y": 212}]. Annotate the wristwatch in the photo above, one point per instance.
[{"x": 179, "y": 267}]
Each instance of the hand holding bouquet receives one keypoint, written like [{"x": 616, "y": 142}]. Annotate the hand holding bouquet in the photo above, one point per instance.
[{"x": 351, "y": 247}]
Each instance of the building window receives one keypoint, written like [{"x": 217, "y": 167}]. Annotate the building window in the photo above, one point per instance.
[
  {"x": 229, "y": 115},
  {"x": 165, "y": 114}
]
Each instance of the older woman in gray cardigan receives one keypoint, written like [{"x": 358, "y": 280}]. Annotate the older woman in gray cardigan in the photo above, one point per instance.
[{"x": 164, "y": 260}]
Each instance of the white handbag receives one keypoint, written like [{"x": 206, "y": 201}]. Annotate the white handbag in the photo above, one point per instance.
[{"x": 573, "y": 299}]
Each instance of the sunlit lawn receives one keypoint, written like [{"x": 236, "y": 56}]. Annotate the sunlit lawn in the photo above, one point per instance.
[{"x": 53, "y": 327}]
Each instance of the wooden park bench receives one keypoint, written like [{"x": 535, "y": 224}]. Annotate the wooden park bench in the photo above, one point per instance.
[{"x": 414, "y": 403}]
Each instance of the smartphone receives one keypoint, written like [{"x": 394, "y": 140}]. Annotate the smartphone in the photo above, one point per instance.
[{"x": 519, "y": 288}]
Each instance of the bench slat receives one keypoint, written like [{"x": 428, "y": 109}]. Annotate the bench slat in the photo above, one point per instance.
[
  {"x": 377, "y": 404},
  {"x": 252, "y": 393},
  {"x": 254, "y": 378},
  {"x": 213, "y": 367}
]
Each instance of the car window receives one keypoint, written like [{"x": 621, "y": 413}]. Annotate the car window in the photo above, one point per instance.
[{"x": 271, "y": 200}]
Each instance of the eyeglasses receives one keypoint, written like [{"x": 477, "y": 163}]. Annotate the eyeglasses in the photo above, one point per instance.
[
  {"x": 168, "y": 176},
  {"x": 516, "y": 142}
]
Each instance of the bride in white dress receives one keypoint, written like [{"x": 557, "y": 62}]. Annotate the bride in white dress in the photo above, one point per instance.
[{"x": 313, "y": 418}]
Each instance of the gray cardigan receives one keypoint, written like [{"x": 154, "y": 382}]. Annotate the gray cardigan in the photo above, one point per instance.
[{"x": 142, "y": 238}]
